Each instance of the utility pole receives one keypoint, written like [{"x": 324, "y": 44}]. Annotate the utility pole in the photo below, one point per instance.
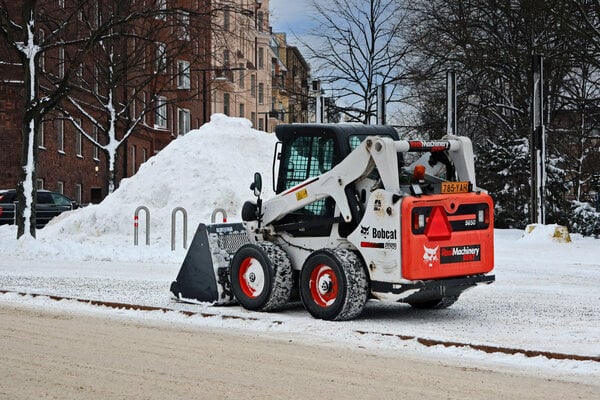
[
  {"x": 538, "y": 143},
  {"x": 381, "y": 105},
  {"x": 451, "y": 124}
]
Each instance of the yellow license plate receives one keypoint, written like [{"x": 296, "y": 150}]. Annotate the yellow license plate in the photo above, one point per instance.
[{"x": 455, "y": 187}]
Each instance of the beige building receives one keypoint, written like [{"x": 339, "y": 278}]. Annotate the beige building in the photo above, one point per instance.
[
  {"x": 290, "y": 81},
  {"x": 255, "y": 74},
  {"x": 240, "y": 75}
]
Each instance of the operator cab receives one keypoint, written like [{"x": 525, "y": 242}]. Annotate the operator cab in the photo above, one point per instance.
[{"x": 305, "y": 151}]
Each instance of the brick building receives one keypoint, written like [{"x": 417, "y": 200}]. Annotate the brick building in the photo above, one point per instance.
[{"x": 180, "y": 64}]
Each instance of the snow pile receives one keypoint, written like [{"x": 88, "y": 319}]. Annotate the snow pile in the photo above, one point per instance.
[
  {"x": 208, "y": 168},
  {"x": 544, "y": 233}
]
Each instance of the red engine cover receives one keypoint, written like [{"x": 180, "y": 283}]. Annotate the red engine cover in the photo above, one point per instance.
[{"x": 447, "y": 236}]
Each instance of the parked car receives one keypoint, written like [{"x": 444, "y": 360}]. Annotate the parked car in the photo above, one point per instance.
[{"x": 49, "y": 205}]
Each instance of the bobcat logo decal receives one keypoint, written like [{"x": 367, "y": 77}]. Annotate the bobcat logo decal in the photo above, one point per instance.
[
  {"x": 430, "y": 255},
  {"x": 364, "y": 230}
]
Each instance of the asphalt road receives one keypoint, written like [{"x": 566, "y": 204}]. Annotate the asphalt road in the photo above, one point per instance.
[{"x": 55, "y": 355}]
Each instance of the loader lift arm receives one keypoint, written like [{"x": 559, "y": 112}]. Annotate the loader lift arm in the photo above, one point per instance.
[{"x": 373, "y": 152}]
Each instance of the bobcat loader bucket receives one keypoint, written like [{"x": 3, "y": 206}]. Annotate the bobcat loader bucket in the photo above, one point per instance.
[{"x": 204, "y": 275}]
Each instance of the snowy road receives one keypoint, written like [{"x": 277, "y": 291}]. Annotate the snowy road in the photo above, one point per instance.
[
  {"x": 546, "y": 298},
  {"x": 87, "y": 357}
]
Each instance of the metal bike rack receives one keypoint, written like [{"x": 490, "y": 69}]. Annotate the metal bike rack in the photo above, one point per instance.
[
  {"x": 214, "y": 215},
  {"x": 136, "y": 223},
  {"x": 173, "y": 224}
]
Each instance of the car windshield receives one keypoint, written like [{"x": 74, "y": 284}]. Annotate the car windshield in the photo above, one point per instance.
[{"x": 60, "y": 200}]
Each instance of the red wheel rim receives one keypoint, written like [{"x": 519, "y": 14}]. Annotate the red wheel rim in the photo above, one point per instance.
[
  {"x": 323, "y": 285},
  {"x": 251, "y": 277}
]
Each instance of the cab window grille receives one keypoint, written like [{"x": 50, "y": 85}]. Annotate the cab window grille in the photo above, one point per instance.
[{"x": 306, "y": 158}]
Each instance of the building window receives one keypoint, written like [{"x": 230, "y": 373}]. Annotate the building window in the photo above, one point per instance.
[
  {"x": 41, "y": 138},
  {"x": 96, "y": 83},
  {"x": 226, "y": 58},
  {"x": 183, "y": 125},
  {"x": 39, "y": 183},
  {"x": 226, "y": 103},
  {"x": 161, "y": 6},
  {"x": 61, "y": 63},
  {"x": 78, "y": 144},
  {"x": 95, "y": 136},
  {"x": 241, "y": 75},
  {"x": 183, "y": 19},
  {"x": 78, "y": 192},
  {"x": 226, "y": 20},
  {"x": 60, "y": 133},
  {"x": 261, "y": 93},
  {"x": 133, "y": 161},
  {"x": 161, "y": 57},
  {"x": 242, "y": 110},
  {"x": 78, "y": 138},
  {"x": 144, "y": 110},
  {"x": 253, "y": 118},
  {"x": 260, "y": 21},
  {"x": 42, "y": 56},
  {"x": 260, "y": 124},
  {"x": 160, "y": 113},
  {"x": 79, "y": 74},
  {"x": 183, "y": 75},
  {"x": 60, "y": 187},
  {"x": 144, "y": 155},
  {"x": 261, "y": 58},
  {"x": 253, "y": 85}
]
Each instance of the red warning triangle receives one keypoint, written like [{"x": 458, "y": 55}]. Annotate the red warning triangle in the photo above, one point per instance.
[{"x": 438, "y": 227}]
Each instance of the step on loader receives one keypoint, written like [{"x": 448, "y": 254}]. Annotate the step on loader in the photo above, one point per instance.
[{"x": 358, "y": 214}]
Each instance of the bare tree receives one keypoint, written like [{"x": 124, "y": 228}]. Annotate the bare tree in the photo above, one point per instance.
[
  {"x": 578, "y": 120},
  {"x": 31, "y": 30},
  {"x": 135, "y": 74},
  {"x": 358, "y": 46},
  {"x": 490, "y": 44}
]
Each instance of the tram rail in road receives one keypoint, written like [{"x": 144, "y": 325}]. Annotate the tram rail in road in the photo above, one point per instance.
[{"x": 428, "y": 342}]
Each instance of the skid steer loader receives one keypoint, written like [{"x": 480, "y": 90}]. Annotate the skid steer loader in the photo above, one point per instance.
[{"x": 354, "y": 218}]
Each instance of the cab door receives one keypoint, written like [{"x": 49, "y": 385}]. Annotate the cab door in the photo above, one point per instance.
[{"x": 302, "y": 158}]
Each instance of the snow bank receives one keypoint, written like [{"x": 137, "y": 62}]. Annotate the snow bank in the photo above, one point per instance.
[
  {"x": 211, "y": 167},
  {"x": 544, "y": 233}
]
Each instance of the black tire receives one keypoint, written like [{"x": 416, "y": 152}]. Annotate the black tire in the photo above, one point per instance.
[
  {"x": 261, "y": 276},
  {"x": 436, "y": 304},
  {"x": 333, "y": 285}
]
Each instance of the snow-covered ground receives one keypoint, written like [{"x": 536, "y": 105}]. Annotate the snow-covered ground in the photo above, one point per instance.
[{"x": 546, "y": 296}]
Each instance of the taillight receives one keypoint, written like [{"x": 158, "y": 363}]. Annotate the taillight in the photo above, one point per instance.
[
  {"x": 483, "y": 216},
  {"x": 418, "y": 221}
]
